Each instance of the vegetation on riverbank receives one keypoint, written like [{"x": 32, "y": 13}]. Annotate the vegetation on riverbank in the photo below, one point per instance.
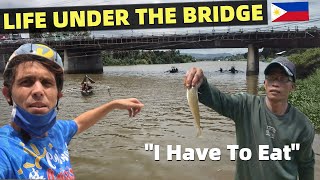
[
  {"x": 307, "y": 94},
  {"x": 307, "y": 62},
  {"x": 117, "y": 58},
  {"x": 306, "y": 97}
]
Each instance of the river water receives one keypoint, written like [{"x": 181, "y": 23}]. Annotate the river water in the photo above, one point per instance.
[{"x": 115, "y": 147}]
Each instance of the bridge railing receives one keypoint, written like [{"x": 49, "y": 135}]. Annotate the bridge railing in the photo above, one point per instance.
[{"x": 200, "y": 36}]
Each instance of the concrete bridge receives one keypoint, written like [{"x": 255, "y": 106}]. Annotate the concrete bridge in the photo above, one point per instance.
[{"x": 82, "y": 55}]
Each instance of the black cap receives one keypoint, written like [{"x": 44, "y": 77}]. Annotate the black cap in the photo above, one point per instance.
[{"x": 287, "y": 65}]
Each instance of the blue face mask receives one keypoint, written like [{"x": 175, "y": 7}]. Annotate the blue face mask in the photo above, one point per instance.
[{"x": 35, "y": 125}]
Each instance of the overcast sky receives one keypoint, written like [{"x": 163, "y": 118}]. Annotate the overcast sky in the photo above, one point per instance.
[{"x": 314, "y": 13}]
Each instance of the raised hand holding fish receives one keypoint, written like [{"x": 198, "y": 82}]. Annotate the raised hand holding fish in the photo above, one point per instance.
[
  {"x": 192, "y": 97},
  {"x": 193, "y": 77}
]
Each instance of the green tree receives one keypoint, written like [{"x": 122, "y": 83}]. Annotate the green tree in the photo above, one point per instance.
[{"x": 144, "y": 57}]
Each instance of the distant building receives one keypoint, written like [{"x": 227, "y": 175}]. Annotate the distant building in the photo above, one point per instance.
[
  {"x": 281, "y": 53},
  {"x": 14, "y": 36},
  {"x": 4, "y": 37},
  {"x": 25, "y": 35}
]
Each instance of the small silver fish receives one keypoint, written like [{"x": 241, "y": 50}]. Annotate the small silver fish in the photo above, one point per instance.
[{"x": 192, "y": 96}]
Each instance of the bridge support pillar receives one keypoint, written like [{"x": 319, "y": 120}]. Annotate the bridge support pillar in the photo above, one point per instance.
[
  {"x": 78, "y": 62},
  {"x": 2, "y": 62},
  {"x": 252, "y": 84},
  {"x": 253, "y": 60}
]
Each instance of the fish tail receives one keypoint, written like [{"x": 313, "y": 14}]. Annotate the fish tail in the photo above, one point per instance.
[{"x": 199, "y": 132}]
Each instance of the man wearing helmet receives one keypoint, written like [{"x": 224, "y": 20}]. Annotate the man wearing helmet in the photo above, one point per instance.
[{"x": 35, "y": 144}]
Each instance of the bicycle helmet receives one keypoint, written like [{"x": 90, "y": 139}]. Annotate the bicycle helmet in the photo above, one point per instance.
[{"x": 36, "y": 50}]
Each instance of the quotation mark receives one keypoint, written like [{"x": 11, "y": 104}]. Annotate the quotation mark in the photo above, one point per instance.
[
  {"x": 148, "y": 147},
  {"x": 295, "y": 146},
  {"x": 156, "y": 148}
]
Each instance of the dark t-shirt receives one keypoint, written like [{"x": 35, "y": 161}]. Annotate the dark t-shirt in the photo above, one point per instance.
[{"x": 256, "y": 125}]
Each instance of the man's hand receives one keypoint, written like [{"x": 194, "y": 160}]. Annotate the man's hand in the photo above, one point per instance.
[
  {"x": 133, "y": 105},
  {"x": 193, "y": 78}
]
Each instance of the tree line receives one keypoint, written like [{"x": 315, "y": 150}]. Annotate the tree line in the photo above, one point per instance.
[{"x": 134, "y": 57}]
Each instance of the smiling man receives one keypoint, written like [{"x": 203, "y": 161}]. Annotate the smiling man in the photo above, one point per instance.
[
  {"x": 34, "y": 145},
  {"x": 264, "y": 120}
]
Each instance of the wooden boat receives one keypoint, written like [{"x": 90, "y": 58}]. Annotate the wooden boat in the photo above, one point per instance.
[
  {"x": 173, "y": 70},
  {"x": 86, "y": 89},
  {"x": 87, "y": 92}
]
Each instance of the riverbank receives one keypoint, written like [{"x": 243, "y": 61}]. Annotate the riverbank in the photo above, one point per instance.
[{"x": 306, "y": 97}]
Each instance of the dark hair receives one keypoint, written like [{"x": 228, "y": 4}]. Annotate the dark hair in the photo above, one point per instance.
[{"x": 10, "y": 71}]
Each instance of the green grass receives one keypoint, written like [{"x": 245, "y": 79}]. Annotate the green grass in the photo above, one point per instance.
[
  {"x": 306, "y": 97},
  {"x": 310, "y": 56}
]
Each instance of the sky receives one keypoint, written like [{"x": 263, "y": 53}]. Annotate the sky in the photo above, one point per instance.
[{"x": 314, "y": 14}]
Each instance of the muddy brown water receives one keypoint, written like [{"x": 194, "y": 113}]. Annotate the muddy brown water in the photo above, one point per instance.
[{"x": 115, "y": 147}]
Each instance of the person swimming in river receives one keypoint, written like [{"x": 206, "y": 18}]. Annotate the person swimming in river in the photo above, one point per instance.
[{"x": 233, "y": 70}]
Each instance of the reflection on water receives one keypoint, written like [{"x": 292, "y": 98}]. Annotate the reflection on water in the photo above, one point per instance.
[{"x": 114, "y": 147}]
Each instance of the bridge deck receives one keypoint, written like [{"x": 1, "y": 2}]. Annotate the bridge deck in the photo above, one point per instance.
[{"x": 272, "y": 39}]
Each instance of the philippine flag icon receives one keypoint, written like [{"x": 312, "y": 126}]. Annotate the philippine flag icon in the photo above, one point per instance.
[{"x": 290, "y": 11}]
